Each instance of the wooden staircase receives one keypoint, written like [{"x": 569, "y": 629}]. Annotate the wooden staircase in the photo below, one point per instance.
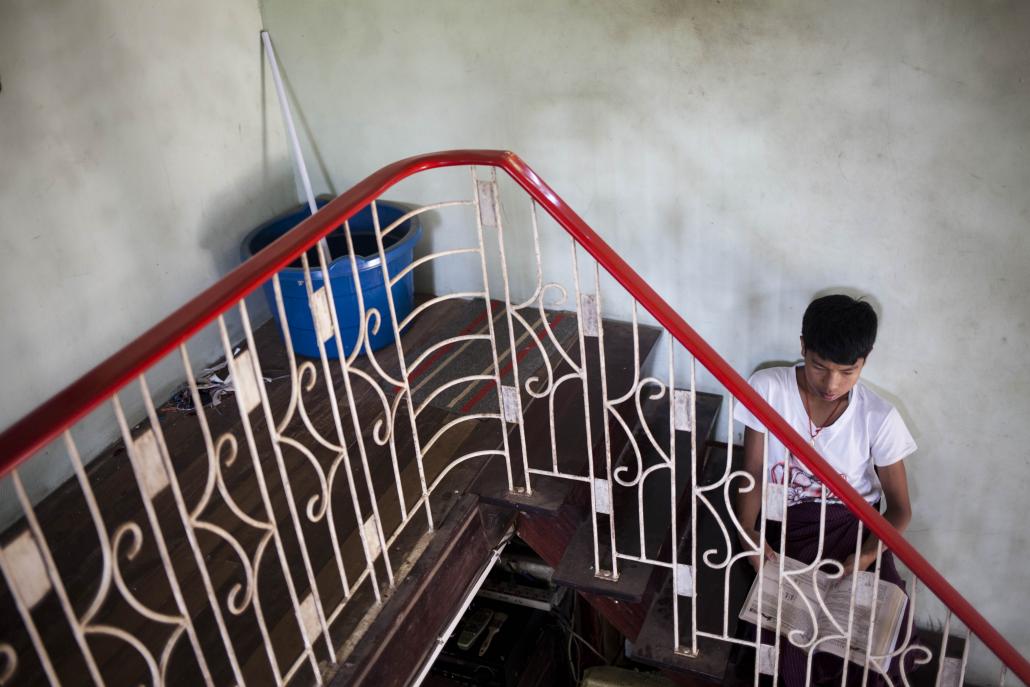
[
  {"x": 475, "y": 512},
  {"x": 557, "y": 525},
  {"x": 117, "y": 588},
  {"x": 68, "y": 528}
]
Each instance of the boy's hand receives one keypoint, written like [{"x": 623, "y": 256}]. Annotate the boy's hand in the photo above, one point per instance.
[
  {"x": 865, "y": 560},
  {"x": 750, "y": 543}
]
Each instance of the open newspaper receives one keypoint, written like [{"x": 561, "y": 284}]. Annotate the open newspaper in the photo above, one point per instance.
[{"x": 804, "y": 618}]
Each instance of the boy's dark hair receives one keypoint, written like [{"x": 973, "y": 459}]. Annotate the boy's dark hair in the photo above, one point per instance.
[{"x": 839, "y": 328}]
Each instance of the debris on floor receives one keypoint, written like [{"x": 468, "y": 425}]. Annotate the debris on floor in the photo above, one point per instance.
[{"x": 213, "y": 384}]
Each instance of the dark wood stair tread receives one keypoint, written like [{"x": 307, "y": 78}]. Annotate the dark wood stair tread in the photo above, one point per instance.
[
  {"x": 73, "y": 539},
  {"x": 654, "y": 644},
  {"x": 576, "y": 569},
  {"x": 400, "y": 638},
  {"x": 570, "y": 450}
]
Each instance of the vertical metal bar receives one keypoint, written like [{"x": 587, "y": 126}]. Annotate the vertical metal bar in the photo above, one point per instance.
[
  {"x": 295, "y": 400},
  {"x": 213, "y": 458},
  {"x": 54, "y": 576},
  {"x": 345, "y": 363},
  {"x": 730, "y": 510},
  {"x": 634, "y": 388},
  {"x": 291, "y": 504},
  {"x": 490, "y": 325},
  {"x": 362, "y": 343},
  {"x": 26, "y": 617},
  {"x": 606, "y": 426},
  {"x": 403, "y": 366},
  {"x": 779, "y": 561},
  {"x": 137, "y": 463},
  {"x": 584, "y": 376},
  {"x": 338, "y": 422},
  {"x": 187, "y": 524},
  {"x": 762, "y": 519},
  {"x": 267, "y": 501},
  {"x": 851, "y": 602},
  {"x": 906, "y": 645},
  {"x": 674, "y": 507},
  {"x": 945, "y": 632},
  {"x": 818, "y": 557},
  {"x": 872, "y": 613},
  {"x": 521, "y": 428},
  {"x": 694, "y": 509},
  {"x": 965, "y": 656}
]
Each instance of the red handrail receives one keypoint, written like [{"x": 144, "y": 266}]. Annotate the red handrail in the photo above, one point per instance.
[{"x": 51, "y": 418}]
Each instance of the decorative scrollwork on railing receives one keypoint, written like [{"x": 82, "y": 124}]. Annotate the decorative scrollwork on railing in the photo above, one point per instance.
[
  {"x": 125, "y": 544},
  {"x": 905, "y": 647},
  {"x": 550, "y": 330},
  {"x": 9, "y": 664},
  {"x": 549, "y": 374},
  {"x": 132, "y": 531},
  {"x": 618, "y": 474},
  {"x": 336, "y": 432}
]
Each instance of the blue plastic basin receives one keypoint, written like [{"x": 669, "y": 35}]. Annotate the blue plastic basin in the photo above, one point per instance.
[{"x": 398, "y": 247}]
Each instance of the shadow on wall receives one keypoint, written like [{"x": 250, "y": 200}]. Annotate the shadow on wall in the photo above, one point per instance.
[
  {"x": 876, "y": 388},
  {"x": 236, "y": 212},
  {"x": 225, "y": 222}
]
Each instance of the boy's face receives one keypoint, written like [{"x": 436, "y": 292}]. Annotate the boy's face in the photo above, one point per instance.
[{"x": 829, "y": 380}]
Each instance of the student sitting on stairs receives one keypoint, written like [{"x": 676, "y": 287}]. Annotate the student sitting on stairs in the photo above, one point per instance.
[{"x": 863, "y": 438}]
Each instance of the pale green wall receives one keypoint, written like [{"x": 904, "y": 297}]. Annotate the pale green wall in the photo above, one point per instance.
[
  {"x": 135, "y": 151},
  {"x": 743, "y": 157}
]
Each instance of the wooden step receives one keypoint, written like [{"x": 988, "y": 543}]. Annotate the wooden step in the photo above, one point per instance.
[
  {"x": 654, "y": 645},
  {"x": 70, "y": 534},
  {"x": 570, "y": 448},
  {"x": 401, "y": 637},
  {"x": 576, "y": 569}
]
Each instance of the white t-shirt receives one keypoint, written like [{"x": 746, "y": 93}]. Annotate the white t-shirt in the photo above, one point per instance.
[{"x": 869, "y": 433}]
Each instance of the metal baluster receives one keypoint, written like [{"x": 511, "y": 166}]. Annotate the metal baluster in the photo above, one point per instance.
[
  {"x": 511, "y": 338},
  {"x": 872, "y": 613},
  {"x": 942, "y": 657},
  {"x": 732, "y": 513},
  {"x": 25, "y": 589},
  {"x": 965, "y": 656},
  {"x": 614, "y": 574},
  {"x": 584, "y": 377},
  {"x": 187, "y": 524},
  {"x": 851, "y": 602},
  {"x": 297, "y": 400},
  {"x": 215, "y": 479},
  {"x": 477, "y": 195},
  {"x": 276, "y": 440},
  {"x": 248, "y": 431},
  {"x": 780, "y": 564},
  {"x": 674, "y": 507},
  {"x": 148, "y": 478},
  {"x": 356, "y": 422},
  {"x": 694, "y": 506}
]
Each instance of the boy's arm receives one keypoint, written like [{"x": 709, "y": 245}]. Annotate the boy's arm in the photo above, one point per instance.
[
  {"x": 749, "y": 503},
  {"x": 894, "y": 481}
]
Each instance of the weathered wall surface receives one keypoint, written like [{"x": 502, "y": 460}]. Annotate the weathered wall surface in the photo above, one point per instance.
[
  {"x": 744, "y": 158},
  {"x": 136, "y": 148}
]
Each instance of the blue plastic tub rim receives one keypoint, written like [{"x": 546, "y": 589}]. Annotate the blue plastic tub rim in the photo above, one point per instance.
[{"x": 388, "y": 214}]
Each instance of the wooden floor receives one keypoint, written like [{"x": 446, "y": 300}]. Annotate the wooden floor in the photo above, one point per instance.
[{"x": 72, "y": 537}]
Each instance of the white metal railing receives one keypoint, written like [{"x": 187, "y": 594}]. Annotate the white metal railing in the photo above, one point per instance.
[{"x": 217, "y": 535}]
